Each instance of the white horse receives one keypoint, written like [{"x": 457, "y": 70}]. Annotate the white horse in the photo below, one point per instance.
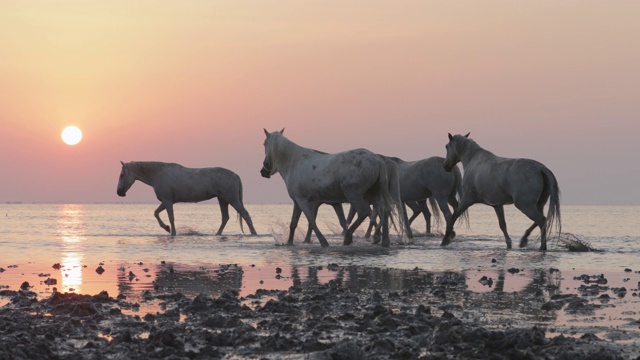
[
  {"x": 426, "y": 179},
  {"x": 496, "y": 181},
  {"x": 174, "y": 183},
  {"x": 312, "y": 178}
]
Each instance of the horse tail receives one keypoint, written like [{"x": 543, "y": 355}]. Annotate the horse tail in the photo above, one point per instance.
[
  {"x": 554, "y": 222},
  {"x": 435, "y": 211},
  {"x": 390, "y": 200},
  {"x": 457, "y": 176},
  {"x": 241, "y": 202}
]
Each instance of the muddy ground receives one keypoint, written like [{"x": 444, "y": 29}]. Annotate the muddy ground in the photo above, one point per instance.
[{"x": 314, "y": 321}]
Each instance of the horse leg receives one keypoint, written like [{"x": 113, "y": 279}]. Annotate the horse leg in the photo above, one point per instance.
[
  {"x": 337, "y": 207},
  {"x": 525, "y": 238},
  {"x": 239, "y": 207},
  {"x": 157, "y": 215},
  {"x": 383, "y": 228},
  {"x": 310, "y": 211},
  {"x": 307, "y": 238},
  {"x": 415, "y": 207},
  {"x": 503, "y": 224},
  {"x": 534, "y": 213},
  {"x": 295, "y": 217},
  {"x": 446, "y": 212},
  {"x": 424, "y": 209},
  {"x": 224, "y": 210},
  {"x": 363, "y": 210},
  {"x": 352, "y": 214},
  {"x": 373, "y": 225},
  {"x": 169, "y": 207},
  {"x": 449, "y": 233},
  {"x": 406, "y": 221}
]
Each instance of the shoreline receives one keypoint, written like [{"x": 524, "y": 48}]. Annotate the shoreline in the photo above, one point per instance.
[
  {"x": 552, "y": 305},
  {"x": 317, "y": 321}
]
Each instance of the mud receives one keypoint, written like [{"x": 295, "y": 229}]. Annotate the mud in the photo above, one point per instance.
[{"x": 439, "y": 320}]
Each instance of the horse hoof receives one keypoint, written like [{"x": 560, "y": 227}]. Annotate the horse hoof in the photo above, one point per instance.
[{"x": 445, "y": 242}]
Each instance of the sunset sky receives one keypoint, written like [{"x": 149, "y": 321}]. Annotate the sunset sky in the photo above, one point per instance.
[{"x": 195, "y": 82}]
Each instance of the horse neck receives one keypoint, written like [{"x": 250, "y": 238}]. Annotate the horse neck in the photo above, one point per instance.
[
  {"x": 470, "y": 151},
  {"x": 285, "y": 152},
  {"x": 146, "y": 171}
]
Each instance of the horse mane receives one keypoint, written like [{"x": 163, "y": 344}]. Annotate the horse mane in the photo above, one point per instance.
[
  {"x": 282, "y": 149},
  {"x": 147, "y": 168},
  {"x": 469, "y": 147},
  {"x": 395, "y": 159}
]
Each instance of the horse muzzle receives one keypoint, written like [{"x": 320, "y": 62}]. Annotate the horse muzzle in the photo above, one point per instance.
[
  {"x": 447, "y": 166},
  {"x": 121, "y": 193},
  {"x": 265, "y": 173}
]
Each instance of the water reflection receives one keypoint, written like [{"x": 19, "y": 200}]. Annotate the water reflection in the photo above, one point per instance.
[
  {"x": 523, "y": 293},
  {"x": 70, "y": 229}
]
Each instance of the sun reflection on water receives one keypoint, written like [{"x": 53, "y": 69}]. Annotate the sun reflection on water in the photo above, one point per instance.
[{"x": 71, "y": 231}]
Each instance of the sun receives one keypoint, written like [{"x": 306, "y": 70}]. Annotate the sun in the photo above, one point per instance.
[{"x": 71, "y": 135}]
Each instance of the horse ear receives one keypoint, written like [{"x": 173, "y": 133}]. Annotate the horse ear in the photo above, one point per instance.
[
  {"x": 122, "y": 163},
  {"x": 467, "y": 134},
  {"x": 266, "y": 132},
  {"x": 282, "y": 131},
  {"x": 450, "y": 137}
]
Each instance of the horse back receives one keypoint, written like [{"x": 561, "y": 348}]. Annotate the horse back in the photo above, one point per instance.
[
  {"x": 182, "y": 184},
  {"x": 501, "y": 180},
  {"x": 427, "y": 176},
  {"x": 327, "y": 177}
]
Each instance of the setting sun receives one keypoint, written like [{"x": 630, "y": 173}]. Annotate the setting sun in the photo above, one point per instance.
[{"x": 71, "y": 135}]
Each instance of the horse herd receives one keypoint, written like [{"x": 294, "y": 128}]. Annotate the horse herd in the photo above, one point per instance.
[{"x": 377, "y": 187}]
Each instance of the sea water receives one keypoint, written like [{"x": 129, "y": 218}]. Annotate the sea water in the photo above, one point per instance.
[{"x": 62, "y": 246}]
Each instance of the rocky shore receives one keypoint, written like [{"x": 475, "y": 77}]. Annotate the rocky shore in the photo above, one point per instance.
[{"x": 314, "y": 321}]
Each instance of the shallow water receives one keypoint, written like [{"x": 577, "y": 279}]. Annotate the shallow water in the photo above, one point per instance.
[{"x": 137, "y": 255}]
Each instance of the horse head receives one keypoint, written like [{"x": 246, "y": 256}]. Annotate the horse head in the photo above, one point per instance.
[
  {"x": 453, "y": 157},
  {"x": 127, "y": 178},
  {"x": 268, "y": 167}
]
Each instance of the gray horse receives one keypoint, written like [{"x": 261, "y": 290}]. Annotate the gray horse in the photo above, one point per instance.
[
  {"x": 426, "y": 179},
  {"x": 496, "y": 181},
  {"x": 312, "y": 178},
  {"x": 174, "y": 183}
]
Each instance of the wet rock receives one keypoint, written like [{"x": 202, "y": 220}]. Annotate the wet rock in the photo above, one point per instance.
[
  {"x": 100, "y": 270},
  {"x": 51, "y": 281},
  {"x": 487, "y": 281},
  {"x": 621, "y": 292},
  {"x": 315, "y": 321},
  {"x": 25, "y": 286}
]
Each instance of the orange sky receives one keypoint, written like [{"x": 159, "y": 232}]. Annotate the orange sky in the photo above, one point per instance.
[{"x": 194, "y": 82}]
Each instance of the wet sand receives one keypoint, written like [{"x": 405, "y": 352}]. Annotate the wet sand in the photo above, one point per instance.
[{"x": 358, "y": 313}]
